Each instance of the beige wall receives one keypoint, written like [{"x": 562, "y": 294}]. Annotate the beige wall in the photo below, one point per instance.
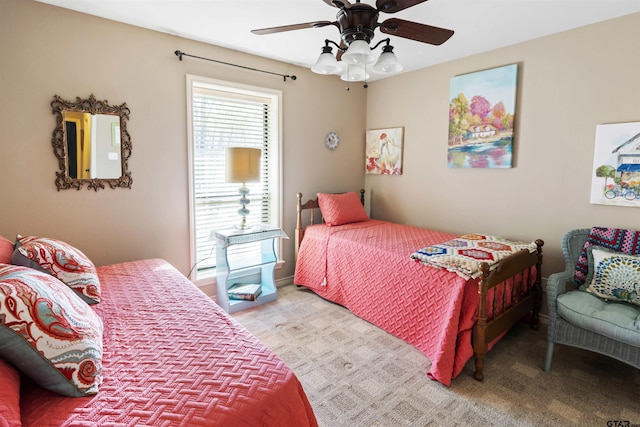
[
  {"x": 47, "y": 50},
  {"x": 568, "y": 84}
]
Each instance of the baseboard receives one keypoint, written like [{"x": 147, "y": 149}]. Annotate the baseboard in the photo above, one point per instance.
[{"x": 284, "y": 281}]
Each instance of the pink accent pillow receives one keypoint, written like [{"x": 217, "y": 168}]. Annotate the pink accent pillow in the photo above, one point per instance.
[
  {"x": 9, "y": 395},
  {"x": 61, "y": 260},
  {"x": 338, "y": 209},
  {"x": 6, "y": 249}
]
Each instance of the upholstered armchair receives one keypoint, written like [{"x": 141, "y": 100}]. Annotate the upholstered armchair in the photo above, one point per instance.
[{"x": 606, "y": 327}]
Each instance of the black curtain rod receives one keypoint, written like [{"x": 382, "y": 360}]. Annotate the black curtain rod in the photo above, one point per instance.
[{"x": 180, "y": 54}]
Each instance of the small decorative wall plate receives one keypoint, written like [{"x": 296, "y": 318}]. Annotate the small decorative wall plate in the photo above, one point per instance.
[{"x": 332, "y": 140}]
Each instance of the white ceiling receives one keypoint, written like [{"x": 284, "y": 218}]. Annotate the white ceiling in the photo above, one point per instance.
[{"x": 479, "y": 25}]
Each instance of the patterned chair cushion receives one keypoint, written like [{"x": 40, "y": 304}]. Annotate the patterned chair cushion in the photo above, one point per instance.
[
  {"x": 619, "y": 240},
  {"x": 61, "y": 260},
  {"x": 339, "y": 209},
  {"x": 613, "y": 275},
  {"x": 48, "y": 332},
  {"x": 9, "y": 395}
]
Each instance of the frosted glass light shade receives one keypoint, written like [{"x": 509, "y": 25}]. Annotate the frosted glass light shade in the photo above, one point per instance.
[
  {"x": 355, "y": 73},
  {"x": 242, "y": 164},
  {"x": 359, "y": 52},
  {"x": 326, "y": 64},
  {"x": 387, "y": 64}
]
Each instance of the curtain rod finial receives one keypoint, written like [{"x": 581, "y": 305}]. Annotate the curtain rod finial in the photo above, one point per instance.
[{"x": 178, "y": 54}]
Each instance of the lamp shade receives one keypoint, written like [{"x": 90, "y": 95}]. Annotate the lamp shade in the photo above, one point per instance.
[
  {"x": 387, "y": 63},
  {"x": 359, "y": 52},
  {"x": 355, "y": 73},
  {"x": 242, "y": 164},
  {"x": 326, "y": 64}
]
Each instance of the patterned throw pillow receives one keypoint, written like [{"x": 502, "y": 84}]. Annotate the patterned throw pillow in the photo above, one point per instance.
[
  {"x": 619, "y": 240},
  {"x": 48, "y": 333},
  {"x": 615, "y": 277},
  {"x": 62, "y": 261},
  {"x": 339, "y": 209}
]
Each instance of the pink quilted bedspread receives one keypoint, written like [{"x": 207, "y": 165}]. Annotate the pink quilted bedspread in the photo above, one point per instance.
[
  {"x": 173, "y": 357},
  {"x": 370, "y": 272}
]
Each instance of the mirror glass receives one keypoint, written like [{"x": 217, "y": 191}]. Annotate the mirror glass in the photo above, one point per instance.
[{"x": 91, "y": 143}]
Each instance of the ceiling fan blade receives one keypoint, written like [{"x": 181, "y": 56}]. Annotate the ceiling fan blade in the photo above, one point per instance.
[
  {"x": 393, "y": 6},
  {"x": 414, "y": 31},
  {"x": 271, "y": 30},
  {"x": 340, "y": 3}
]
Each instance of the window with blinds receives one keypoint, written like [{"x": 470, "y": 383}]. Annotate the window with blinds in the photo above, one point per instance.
[{"x": 220, "y": 118}]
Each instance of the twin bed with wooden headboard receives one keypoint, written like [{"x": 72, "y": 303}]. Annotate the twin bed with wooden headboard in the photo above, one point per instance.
[{"x": 450, "y": 296}]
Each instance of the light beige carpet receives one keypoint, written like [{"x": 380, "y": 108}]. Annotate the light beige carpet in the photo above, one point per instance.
[{"x": 355, "y": 374}]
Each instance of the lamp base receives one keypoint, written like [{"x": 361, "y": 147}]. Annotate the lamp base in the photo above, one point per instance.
[
  {"x": 243, "y": 211},
  {"x": 243, "y": 225}
]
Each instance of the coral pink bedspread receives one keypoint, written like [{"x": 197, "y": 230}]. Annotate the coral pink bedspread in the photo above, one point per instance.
[
  {"x": 369, "y": 271},
  {"x": 173, "y": 357}
]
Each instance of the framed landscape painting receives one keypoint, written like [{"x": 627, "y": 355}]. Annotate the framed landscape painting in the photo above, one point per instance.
[
  {"x": 384, "y": 151},
  {"x": 615, "y": 178},
  {"x": 482, "y": 112}
]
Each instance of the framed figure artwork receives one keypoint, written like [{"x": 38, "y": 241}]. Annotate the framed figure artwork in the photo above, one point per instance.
[
  {"x": 615, "y": 178},
  {"x": 384, "y": 149},
  {"x": 482, "y": 113}
]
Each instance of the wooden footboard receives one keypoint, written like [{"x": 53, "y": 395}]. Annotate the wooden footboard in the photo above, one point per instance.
[{"x": 525, "y": 297}]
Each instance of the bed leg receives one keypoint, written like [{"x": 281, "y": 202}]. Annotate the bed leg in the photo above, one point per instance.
[
  {"x": 480, "y": 329},
  {"x": 479, "y": 350},
  {"x": 535, "y": 321},
  {"x": 479, "y": 373},
  {"x": 537, "y": 302}
]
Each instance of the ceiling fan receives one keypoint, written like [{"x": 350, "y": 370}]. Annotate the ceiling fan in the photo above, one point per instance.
[{"x": 357, "y": 23}]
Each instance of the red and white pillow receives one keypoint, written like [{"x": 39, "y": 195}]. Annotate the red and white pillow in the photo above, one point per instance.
[
  {"x": 61, "y": 260},
  {"x": 48, "y": 333}
]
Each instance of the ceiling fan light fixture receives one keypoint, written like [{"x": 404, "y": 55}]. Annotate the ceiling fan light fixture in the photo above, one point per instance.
[
  {"x": 326, "y": 64},
  {"x": 359, "y": 53},
  {"x": 387, "y": 62},
  {"x": 355, "y": 73}
]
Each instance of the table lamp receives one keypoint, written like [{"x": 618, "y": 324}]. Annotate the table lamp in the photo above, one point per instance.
[{"x": 242, "y": 165}]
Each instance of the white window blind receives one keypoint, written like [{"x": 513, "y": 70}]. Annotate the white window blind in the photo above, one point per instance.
[{"x": 223, "y": 119}]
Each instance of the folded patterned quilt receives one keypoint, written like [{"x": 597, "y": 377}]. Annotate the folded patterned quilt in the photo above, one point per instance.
[{"x": 463, "y": 255}]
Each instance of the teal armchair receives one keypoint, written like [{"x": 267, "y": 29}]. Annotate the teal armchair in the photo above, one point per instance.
[{"x": 580, "y": 319}]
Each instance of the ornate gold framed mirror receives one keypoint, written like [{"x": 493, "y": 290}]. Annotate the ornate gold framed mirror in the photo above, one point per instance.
[{"x": 91, "y": 143}]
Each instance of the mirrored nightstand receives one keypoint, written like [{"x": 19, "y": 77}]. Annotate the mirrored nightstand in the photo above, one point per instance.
[{"x": 236, "y": 266}]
